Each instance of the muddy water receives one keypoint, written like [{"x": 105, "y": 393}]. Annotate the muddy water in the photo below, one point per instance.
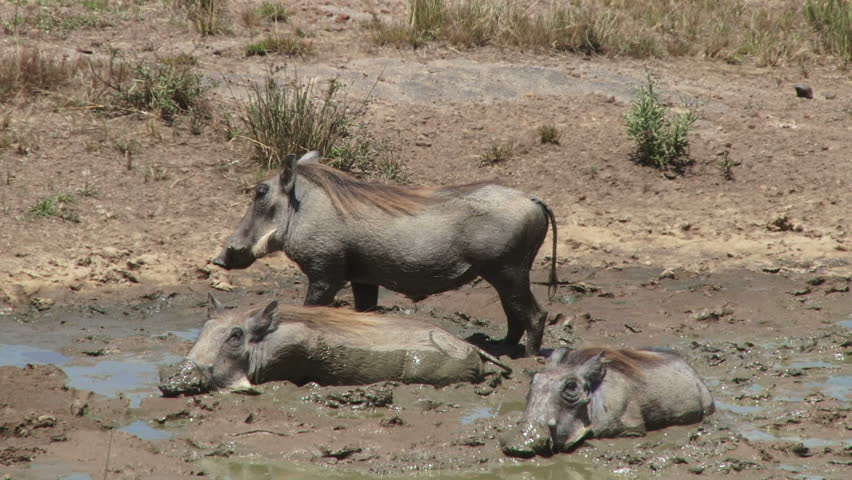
[
  {"x": 778, "y": 365},
  {"x": 557, "y": 468}
]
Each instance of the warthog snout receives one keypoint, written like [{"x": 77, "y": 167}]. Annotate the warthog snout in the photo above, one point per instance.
[
  {"x": 185, "y": 378},
  {"x": 527, "y": 440},
  {"x": 233, "y": 258}
]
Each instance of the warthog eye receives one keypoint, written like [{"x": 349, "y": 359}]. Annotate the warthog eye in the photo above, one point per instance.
[
  {"x": 570, "y": 392},
  {"x": 236, "y": 337},
  {"x": 262, "y": 189}
]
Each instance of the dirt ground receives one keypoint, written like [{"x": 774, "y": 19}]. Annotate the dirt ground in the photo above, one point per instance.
[{"x": 748, "y": 278}]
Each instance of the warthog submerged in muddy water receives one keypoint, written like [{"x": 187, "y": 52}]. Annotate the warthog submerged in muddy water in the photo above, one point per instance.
[
  {"x": 238, "y": 348},
  {"x": 599, "y": 392},
  {"x": 413, "y": 240}
]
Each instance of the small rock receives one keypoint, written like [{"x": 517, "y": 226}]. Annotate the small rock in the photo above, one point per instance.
[
  {"x": 79, "y": 407},
  {"x": 780, "y": 223},
  {"x": 222, "y": 285},
  {"x": 801, "y": 450},
  {"x": 44, "y": 421},
  {"x": 667, "y": 273},
  {"x": 568, "y": 299},
  {"x": 394, "y": 421},
  {"x": 340, "y": 453},
  {"x": 41, "y": 304},
  {"x": 804, "y": 91}
]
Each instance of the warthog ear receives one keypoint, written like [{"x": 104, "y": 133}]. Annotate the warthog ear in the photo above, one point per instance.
[
  {"x": 288, "y": 172},
  {"x": 213, "y": 306},
  {"x": 309, "y": 158},
  {"x": 593, "y": 369},
  {"x": 290, "y": 162},
  {"x": 263, "y": 323},
  {"x": 556, "y": 357}
]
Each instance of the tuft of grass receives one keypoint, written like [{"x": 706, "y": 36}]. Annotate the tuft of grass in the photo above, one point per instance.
[
  {"x": 832, "y": 20},
  {"x": 27, "y": 71},
  {"x": 273, "y": 11},
  {"x": 549, "y": 134},
  {"x": 497, "y": 153},
  {"x": 127, "y": 147},
  {"x": 661, "y": 136},
  {"x": 726, "y": 166},
  {"x": 208, "y": 17},
  {"x": 296, "y": 116},
  {"x": 167, "y": 87},
  {"x": 289, "y": 46},
  {"x": 56, "y": 206}
]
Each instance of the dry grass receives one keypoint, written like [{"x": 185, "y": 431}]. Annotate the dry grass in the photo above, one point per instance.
[
  {"x": 765, "y": 32},
  {"x": 832, "y": 20},
  {"x": 208, "y": 17},
  {"x": 295, "y": 116},
  {"x": 497, "y": 153},
  {"x": 549, "y": 134},
  {"x": 27, "y": 71},
  {"x": 282, "y": 45},
  {"x": 168, "y": 87}
]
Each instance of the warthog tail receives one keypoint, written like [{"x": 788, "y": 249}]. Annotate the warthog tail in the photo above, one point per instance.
[
  {"x": 552, "y": 281},
  {"x": 491, "y": 358}
]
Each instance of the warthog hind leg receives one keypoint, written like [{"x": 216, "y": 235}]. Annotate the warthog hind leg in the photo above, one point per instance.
[
  {"x": 523, "y": 312},
  {"x": 366, "y": 296}
]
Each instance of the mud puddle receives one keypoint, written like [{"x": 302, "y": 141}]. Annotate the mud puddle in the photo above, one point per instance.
[
  {"x": 556, "y": 468},
  {"x": 130, "y": 376},
  {"x": 780, "y": 372}
]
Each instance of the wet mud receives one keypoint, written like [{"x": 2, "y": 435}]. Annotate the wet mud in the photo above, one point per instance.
[{"x": 80, "y": 388}]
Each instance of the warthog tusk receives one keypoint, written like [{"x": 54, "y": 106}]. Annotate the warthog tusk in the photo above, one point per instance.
[{"x": 261, "y": 247}]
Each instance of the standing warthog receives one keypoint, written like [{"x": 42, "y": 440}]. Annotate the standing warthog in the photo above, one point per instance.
[
  {"x": 238, "y": 348},
  {"x": 414, "y": 240},
  {"x": 601, "y": 392}
]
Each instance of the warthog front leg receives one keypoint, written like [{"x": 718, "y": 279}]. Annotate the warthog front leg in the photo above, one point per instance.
[
  {"x": 322, "y": 292},
  {"x": 366, "y": 296}
]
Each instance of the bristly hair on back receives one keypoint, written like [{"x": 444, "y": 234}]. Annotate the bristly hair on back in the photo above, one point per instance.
[
  {"x": 627, "y": 361},
  {"x": 328, "y": 319},
  {"x": 350, "y": 195}
]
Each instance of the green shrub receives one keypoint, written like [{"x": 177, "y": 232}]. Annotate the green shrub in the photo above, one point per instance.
[
  {"x": 362, "y": 153},
  {"x": 661, "y": 136},
  {"x": 167, "y": 87}
]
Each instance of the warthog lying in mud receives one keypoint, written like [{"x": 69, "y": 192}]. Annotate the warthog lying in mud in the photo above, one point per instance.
[
  {"x": 238, "y": 348},
  {"x": 600, "y": 392},
  {"x": 417, "y": 241}
]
